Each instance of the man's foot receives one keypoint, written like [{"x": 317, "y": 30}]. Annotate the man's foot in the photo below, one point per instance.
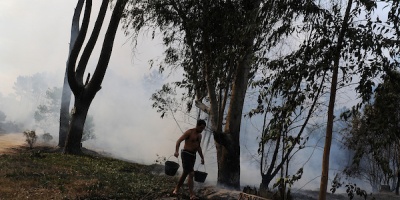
[
  {"x": 193, "y": 197},
  {"x": 174, "y": 192}
]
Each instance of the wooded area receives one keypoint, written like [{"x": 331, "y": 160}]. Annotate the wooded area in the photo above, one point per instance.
[{"x": 295, "y": 55}]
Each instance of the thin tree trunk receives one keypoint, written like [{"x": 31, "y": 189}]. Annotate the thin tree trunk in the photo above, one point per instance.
[
  {"x": 66, "y": 91},
  {"x": 331, "y": 106},
  {"x": 328, "y": 138},
  {"x": 64, "y": 113}
]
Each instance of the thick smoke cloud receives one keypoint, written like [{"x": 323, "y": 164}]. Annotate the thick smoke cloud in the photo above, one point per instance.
[{"x": 34, "y": 43}]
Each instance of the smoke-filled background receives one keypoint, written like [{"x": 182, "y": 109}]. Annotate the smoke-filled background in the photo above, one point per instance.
[{"x": 34, "y": 44}]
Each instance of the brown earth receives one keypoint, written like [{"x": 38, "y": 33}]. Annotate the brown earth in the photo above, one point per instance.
[{"x": 10, "y": 141}]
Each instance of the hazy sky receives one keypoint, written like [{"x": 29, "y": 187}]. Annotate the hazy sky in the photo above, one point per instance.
[{"x": 34, "y": 38}]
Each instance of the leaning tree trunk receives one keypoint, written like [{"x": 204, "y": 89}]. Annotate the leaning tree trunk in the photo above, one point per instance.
[
  {"x": 331, "y": 107},
  {"x": 85, "y": 92},
  {"x": 66, "y": 91}
]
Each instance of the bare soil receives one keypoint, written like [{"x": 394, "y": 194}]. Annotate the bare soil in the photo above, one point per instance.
[{"x": 10, "y": 141}]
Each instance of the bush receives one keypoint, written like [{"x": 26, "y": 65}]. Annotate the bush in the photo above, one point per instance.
[
  {"x": 30, "y": 138},
  {"x": 47, "y": 137}
]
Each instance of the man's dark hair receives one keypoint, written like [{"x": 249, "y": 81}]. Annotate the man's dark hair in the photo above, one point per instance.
[{"x": 201, "y": 122}]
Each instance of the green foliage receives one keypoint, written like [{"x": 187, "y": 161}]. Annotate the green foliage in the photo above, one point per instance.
[
  {"x": 290, "y": 180},
  {"x": 47, "y": 137},
  {"x": 206, "y": 39},
  {"x": 10, "y": 127},
  {"x": 374, "y": 133},
  {"x": 380, "y": 118},
  {"x": 164, "y": 100},
  {"x": 203, "y": 38},
  {"x": 30, "y": 88},
  {"x": 48, "y": 113},
  {"x": 293, "y": 81},
  {"x": 31, "y": 137},
  {"x": 351, "y": 189}
]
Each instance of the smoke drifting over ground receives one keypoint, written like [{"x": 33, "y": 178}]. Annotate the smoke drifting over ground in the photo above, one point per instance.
[{"x": 125, "y": 124}]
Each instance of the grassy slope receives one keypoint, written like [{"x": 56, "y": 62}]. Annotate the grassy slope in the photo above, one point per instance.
[
  {"x": 56, "y": 176},
  {"x": 51, "y": 175}
]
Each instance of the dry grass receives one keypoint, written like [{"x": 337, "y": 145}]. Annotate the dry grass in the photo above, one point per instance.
[
  {"x": 8, "y": 141},
  {"x": 27, "y": 174},
  {"x": 51, "y": 175}
]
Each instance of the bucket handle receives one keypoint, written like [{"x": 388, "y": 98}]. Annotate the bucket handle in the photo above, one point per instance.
[
  {"x": 174, "y": 156},
  {"x": 199, "y": 166}
]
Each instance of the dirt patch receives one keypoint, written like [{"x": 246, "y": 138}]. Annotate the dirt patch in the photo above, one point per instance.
[{"x": 10, "y": 141}]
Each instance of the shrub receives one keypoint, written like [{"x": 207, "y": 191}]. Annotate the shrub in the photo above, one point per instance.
[
  {"x": 47, "y": 137},
  {"x": 30, "y": 138}
]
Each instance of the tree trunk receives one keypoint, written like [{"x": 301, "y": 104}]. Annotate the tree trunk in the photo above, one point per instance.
[
  {"x": 398, "y": 182},
  {"x": 331, "y": 107},
  {"x": 229, "y": 164},
  {"x": 266, "y": 180},
  {"x": 64, "y": 113},
  {"x": 85, "y": 92},
  {"x": 66, "y": 91},
  {"x": 79, "y": 113},
  {"x": 328, "y": 138},
  {"x": 228, "y": 155}
]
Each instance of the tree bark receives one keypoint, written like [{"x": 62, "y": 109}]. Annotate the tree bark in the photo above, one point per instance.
[
  {"x": 66, "y": 91},
  {"x": 228, "y": 154},
  {"x": 85, "y": 92},
  {"x": 331, "y": 106},
  {"x": 79, "y": 113}
]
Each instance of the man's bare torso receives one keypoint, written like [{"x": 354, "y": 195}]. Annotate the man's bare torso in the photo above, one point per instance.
[{"x": 192, "y": 142}]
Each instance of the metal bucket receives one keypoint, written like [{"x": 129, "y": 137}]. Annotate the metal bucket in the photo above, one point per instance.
[
  {"x": 200, "y": 176},
  {"x": 171, "y": 168}
]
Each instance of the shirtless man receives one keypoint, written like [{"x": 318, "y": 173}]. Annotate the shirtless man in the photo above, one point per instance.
[{"x": 192, "y": 139}]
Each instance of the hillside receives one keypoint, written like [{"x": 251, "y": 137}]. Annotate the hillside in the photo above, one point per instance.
[{"x": 45, "y": 173}]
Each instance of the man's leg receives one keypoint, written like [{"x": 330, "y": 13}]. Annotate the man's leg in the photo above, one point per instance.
[
  {"x": 180, "y": 182},
  {"x": 190, "y": 183}
]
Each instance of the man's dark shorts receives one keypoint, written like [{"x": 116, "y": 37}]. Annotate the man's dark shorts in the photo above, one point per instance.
[{"x": 188, "y": 160}]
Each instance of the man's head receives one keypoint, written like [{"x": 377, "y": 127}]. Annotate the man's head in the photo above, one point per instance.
[{"x": 200, "y": 126}]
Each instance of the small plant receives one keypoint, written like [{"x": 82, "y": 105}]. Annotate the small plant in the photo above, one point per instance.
[
  {"x": 30, "y": 138},
  {"x": 351, "y": 189},
  {"x": 47, "y": 137}
]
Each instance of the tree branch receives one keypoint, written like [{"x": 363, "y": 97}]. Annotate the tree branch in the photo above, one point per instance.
[
  {"x": 75, "y": 86},
  {"x": 80, "y": 70},
  {"x": 202, "y": 107},
  {"x": 98, "y": 75}
]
